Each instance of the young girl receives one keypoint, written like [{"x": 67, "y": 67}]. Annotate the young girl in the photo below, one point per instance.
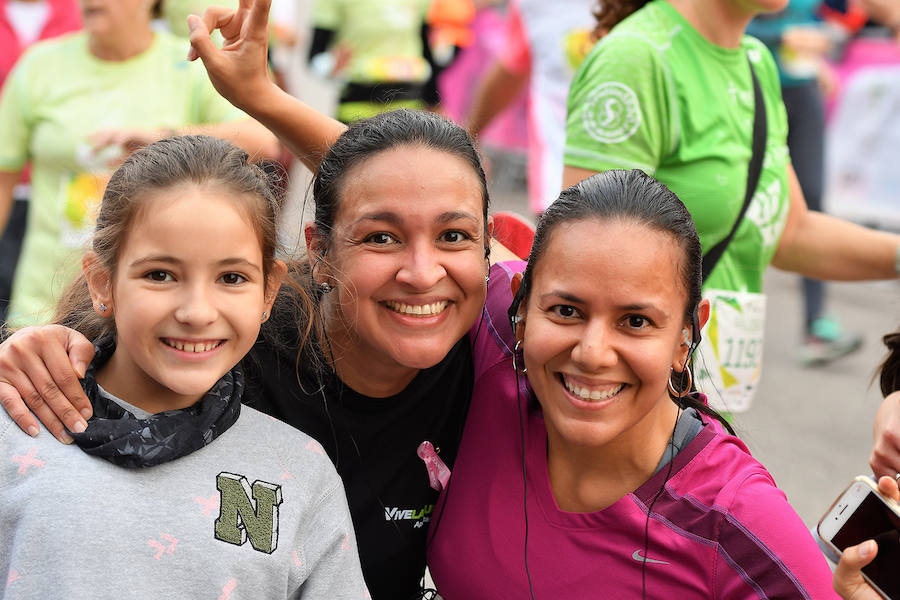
[
  {"x": 180, "y": 276},
  {"x": 610, "y": 479}
]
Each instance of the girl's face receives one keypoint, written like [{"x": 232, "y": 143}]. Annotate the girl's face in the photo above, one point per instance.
[
  {"x": 603, "y": 327},
  {"x": 407, "y": 259},
  {"x": 187, "y": 297}
]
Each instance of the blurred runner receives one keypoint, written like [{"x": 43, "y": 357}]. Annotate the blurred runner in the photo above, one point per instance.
[
  {"x": 75, "y": 106},
  {"x": 545, "y": 42},
  {"x": 800, "y": 42},
  {"x": 376, "y": 48}
]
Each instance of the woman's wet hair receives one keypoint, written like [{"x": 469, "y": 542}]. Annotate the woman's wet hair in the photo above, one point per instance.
[
  {"x": 166, "y": 164},
  {"x": 361, "y": 141},
  {"x": 626, "y": 196},
  {"x": 367, "y": 137}
]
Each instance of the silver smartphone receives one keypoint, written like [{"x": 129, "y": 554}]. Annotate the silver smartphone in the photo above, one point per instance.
[{"x": 861, "y": 513}]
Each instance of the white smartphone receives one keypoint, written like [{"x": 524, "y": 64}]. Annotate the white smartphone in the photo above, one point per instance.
[{"x": 861, "y": 513}]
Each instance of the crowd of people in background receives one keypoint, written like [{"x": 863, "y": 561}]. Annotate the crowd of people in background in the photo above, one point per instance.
[{"x": 404, "y": 392}]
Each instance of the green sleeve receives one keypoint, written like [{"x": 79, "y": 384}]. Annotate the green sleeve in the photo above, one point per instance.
[
  {"x": 326, "y": 14},
  {"x": 211, "y": 107},
  {"x": 16, "y": 119},
  {"x": 620, "y": 108}
]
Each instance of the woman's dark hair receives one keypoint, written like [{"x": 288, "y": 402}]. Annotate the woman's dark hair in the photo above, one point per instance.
[
  {"x": 362, "y": 140},
  {"x": 630, "y": 197},
  {"x": 890, "y": 368},
  {"x": 194, "y": 159},
  {"x": 610, "y": 13}
]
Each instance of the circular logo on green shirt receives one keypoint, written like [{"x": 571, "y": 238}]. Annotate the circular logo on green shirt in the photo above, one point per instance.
[{"x": 612, "y": 113}]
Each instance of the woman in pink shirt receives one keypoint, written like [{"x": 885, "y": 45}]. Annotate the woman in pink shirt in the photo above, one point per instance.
[{"x": 608, "y": 476}]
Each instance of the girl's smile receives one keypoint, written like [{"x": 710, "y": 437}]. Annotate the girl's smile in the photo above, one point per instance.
[{"x": 194, "y": 347}]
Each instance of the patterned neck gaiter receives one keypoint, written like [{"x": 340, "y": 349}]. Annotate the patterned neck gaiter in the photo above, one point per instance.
[{"x": 118, "y": 436}]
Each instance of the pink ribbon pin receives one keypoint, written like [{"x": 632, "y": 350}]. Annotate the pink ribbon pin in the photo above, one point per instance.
[{"x": 438, "y": 473}]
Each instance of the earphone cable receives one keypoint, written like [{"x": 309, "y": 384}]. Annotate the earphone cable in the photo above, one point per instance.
[
  {"x": 662, "y": 487},
  {"x": 524, "y": 482}
]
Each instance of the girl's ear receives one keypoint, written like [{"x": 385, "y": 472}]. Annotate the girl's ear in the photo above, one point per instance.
[
  {"x": 273, "y": 284},
  {"x": 99, "y": 282}
]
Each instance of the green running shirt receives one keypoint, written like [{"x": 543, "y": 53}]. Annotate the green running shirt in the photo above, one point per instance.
[{"x": 656, "y": 95}]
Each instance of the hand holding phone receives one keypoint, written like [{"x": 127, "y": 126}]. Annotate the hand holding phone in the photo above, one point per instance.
[{"x": 861, "y": 513}]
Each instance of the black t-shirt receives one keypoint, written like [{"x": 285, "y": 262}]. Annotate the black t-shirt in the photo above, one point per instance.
[{"x": 373, "y": 442}]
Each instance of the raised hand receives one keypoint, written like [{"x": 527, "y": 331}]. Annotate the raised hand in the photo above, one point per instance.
[{"x": 239, "y": 69}]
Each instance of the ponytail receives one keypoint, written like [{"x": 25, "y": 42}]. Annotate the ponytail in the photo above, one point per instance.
[{"x": 610, "y": 13}]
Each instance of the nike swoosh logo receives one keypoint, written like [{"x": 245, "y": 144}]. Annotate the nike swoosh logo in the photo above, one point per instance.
[{"x": 637, "y": 556}]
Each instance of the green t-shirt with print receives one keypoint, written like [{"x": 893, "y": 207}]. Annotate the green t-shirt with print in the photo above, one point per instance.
[
  {"x": 657, "y": 96},
  {"x": 56, "y": 97}
]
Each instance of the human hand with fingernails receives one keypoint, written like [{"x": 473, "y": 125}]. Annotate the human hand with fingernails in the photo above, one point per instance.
[{"x": 848, "y": 580}]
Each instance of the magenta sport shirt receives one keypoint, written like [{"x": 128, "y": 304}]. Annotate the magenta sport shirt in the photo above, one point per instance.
[{"x": 721, "y": 528}]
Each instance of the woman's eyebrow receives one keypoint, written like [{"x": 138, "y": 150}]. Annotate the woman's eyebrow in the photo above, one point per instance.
[
  {"x": 455, "y": 215},
  {"x": 562, "y": 296},
  {"x": 386, "y": 216},
  {"x": 395, "y": 219}
]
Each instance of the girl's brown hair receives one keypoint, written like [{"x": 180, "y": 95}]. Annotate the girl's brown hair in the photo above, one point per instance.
[{"x": 193, "y": 159}]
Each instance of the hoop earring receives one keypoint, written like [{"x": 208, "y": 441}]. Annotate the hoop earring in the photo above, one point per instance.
[
  {"x": 515, "y": 352},
  {"x": 675, "y": 392}
]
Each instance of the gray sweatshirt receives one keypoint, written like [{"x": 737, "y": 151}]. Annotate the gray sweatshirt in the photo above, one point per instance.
[{"x": 258, "y": 513}]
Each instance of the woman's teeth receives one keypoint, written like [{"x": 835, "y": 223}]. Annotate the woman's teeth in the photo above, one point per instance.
[
  {"x": 192, "y": 347},
  {"x": 588, "y": 394},
  {"x": 419, "y": 310}
]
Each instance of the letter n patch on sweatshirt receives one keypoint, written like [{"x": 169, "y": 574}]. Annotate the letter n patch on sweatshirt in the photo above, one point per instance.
[{"x": 242, "y": 518}]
